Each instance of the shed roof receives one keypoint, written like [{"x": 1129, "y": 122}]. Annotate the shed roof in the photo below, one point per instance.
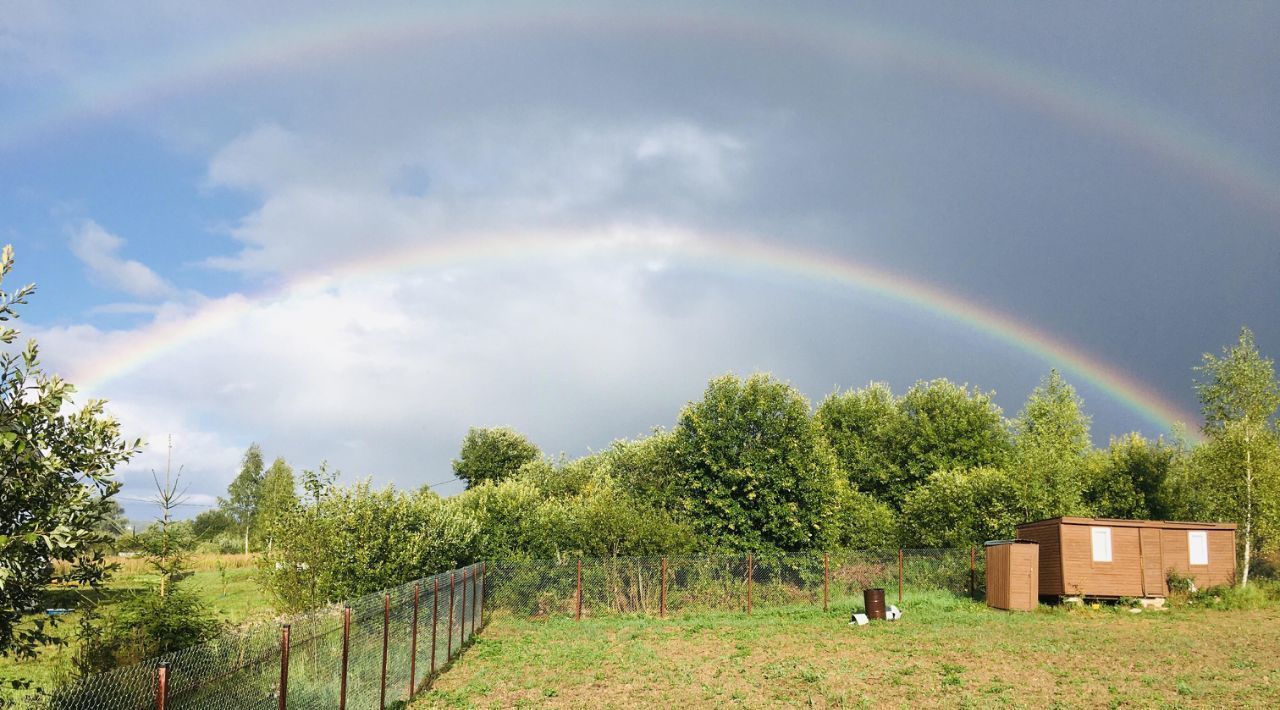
[{"x": 1122, "y": 523}]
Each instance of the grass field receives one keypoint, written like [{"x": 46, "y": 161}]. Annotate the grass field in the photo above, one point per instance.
[
  {"x": 231, "y": 594},
  {"x": 945, "y": 652}
]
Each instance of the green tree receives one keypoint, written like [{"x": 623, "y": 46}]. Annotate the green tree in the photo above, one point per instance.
[
  {"x": 945, "y": 426},
  {"x": 1239, "y": 396},
  {"x": 493, "y": 454},
  {"x": 278, "y": 497},
  {"x": 212, "y": 523},
  {"x": 961, "y": 508},
  {"x": 863, "y": 427},
  {"x": 56, "y": 481},
  {"x": 755, "y": 473},
  {"x": 1051, "y": 437},
  {"x": 355, "y": 540},
  {"x": 865, "y": 523},
  {"x": 1130, "y": 478},
  {"x": 245, "y": 492}
]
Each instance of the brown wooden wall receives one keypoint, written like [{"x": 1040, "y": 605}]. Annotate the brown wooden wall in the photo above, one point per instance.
[
  {"x": 1121, "y": 577},
  {"x": 1046, "y": 533},
  {"x": 1221, "y": 569},
  {"x": 1013, "y": 578},
  {"x": 1142, "y": 554}
]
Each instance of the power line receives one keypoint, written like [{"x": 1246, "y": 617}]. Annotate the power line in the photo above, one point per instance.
[{"x": 133, "y": 499}]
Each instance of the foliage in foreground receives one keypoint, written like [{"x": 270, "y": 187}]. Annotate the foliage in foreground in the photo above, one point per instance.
[{"x": 55, "y": 481}]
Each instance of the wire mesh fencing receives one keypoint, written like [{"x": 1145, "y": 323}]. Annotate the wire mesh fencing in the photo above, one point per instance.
[
  {"x": 660, "y": 585},
  {"x": 372, "y": 652}
]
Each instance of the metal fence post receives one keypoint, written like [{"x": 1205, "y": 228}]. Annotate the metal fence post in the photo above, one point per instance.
[
  {"x": 413, "y": 644},
  {"x": 973, "y": 590},
  {"x": 435, "y": 614},
  {"x": 448, "y": 651},
  {"x": 346, "y": 650},
  {"x": 899, "y": 575},
  {"x": 462, "y": 620},
  {"x": 662, "y": 593},
  {"x": 484, "y": 589},
  {"x": 826, "y": 579},
  {"x": 750, "y": 574},
  {"x": 162, "y": 684},
  {"x": 284, "y": 666},
  {"x": 577, "y": 614},
  {"x": 386, "y": 632},
  {"x": 475, "y": 603}
]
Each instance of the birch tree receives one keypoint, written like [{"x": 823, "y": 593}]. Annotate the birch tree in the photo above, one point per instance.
[{"x": 1239, "y": 396}]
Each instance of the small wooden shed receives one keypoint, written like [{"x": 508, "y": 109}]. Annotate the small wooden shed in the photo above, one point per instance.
[
  {"x": 1104, "y": 557},
  {"x": 1013, "y": 574}
]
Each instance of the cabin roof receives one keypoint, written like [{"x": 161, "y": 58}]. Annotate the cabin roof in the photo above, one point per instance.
[{"x": 1123, "y": 523}]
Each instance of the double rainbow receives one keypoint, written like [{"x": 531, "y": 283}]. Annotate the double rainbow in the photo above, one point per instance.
[{"x": 714, "y": 253}]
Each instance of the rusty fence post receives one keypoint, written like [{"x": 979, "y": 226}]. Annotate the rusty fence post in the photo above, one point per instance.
[
  {"x": 899, "y": 575},
  {"x": 284, "y": 666},
  {"x": 973, "y": 590},
  {"x": 462, "y": 618},
  {"x": 750, "y": 574},
  {"x": 162, "y": 685},
  {"x": 435, "y": 614},
  {"x": 346, "y": 650},
  {"x": 475, "y": 593},
  {"x": 386, "y": 633},
  {"x": 662, "y": 591},
  {"x": 484, "y": 589},
  {"x": 448, "y": 651},
  {"x": 577, "y": 614},
  {"x": 413, "y": 643},
  {"x": 826, "y": 579}
]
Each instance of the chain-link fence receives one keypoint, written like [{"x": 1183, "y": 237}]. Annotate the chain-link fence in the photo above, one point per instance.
[
  {"x": 661, "y": 585},
  {"x": 370, "y": 653}
]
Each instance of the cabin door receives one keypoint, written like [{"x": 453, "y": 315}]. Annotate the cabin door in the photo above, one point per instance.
[{"x": 1152, "y": 562}]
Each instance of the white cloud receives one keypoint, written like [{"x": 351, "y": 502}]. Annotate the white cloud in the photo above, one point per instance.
[
  {"x": 99, "y": 251},
  {"x": 320, "y": 194},
  {"x": 382, "y": 374}
]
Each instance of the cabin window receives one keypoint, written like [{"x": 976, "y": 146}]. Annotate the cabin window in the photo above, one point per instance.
[
  {"x": 1101, "y": 544},
  {"x": 1198, "y": 546}
]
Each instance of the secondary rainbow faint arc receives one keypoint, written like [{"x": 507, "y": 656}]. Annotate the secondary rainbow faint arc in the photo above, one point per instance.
[
  {"x": 712, "y": 252},
  {"x": 1155, "y": 132}
]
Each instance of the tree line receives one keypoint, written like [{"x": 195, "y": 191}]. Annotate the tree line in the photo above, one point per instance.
[{"x": 752, "y": 466}]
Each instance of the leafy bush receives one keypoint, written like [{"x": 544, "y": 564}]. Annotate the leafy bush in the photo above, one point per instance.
[
  {"x": 961, "y": 508},
  {"x": 355, "y": 540}
]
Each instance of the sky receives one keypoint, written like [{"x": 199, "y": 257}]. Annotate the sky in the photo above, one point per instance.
[{"x": 350, "y": 233}]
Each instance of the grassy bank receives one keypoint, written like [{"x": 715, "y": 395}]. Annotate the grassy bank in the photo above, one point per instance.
[
  {"x": 945, "y": 652},
  {"x": 224, "y": 582}
]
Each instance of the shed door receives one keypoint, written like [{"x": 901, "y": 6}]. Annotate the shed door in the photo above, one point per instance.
[{"x": 1152, "y": 563}]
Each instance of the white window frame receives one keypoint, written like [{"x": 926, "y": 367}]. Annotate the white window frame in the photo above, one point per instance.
[
  {"x": 1198, "y": 548},
  {"x": 1097, "y": 535}
]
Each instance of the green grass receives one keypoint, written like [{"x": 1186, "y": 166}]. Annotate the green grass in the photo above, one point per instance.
[
  {"x": 945, "y": 652},
  {"x": 239, "y": 600}
]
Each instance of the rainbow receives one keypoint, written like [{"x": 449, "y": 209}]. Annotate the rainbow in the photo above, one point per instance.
[
  {"x": 1156, "y": 133},
  {"x": 716, "y": 253}
]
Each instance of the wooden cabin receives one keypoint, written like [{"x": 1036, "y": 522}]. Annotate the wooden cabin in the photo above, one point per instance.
[
  {"x": 1013, "y": 577},
  {"x": 1104, "y": 557}
]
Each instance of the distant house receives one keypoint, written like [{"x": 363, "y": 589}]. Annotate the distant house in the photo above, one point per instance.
[{"x": 1103, "y": 557}]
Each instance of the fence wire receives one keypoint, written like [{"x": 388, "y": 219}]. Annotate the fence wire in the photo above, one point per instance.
[
  {"x": 397, "y": 640},
  {"x": 655, "y": 585},
  {"x": 386, "y": 660}
]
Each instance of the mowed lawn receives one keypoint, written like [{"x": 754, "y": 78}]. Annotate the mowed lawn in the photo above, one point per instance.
[{"x": 945, "y": 652}]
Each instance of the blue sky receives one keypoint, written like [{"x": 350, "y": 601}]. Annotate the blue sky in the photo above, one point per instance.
[{"x": 1106, "y": 174}]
